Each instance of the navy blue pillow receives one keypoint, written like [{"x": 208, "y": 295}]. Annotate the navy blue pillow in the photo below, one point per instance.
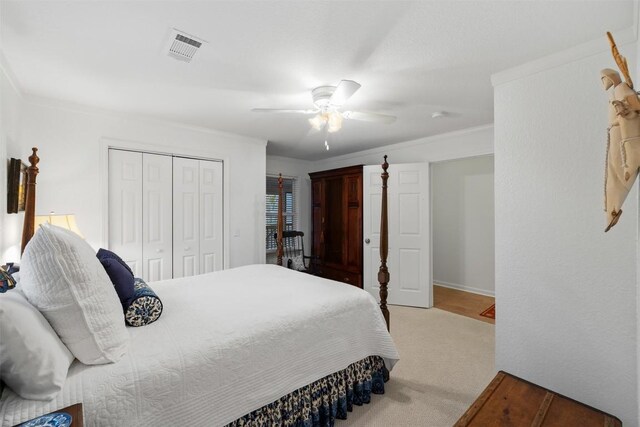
[
  {"x": 122, "y": 280},
  {"x": 107, "y": 254}
]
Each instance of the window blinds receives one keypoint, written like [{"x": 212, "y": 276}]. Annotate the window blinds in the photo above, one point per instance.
[{"x": 289, "y": 191}]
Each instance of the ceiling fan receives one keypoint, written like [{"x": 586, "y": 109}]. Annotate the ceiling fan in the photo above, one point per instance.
[{"x": 328, "y": 101}]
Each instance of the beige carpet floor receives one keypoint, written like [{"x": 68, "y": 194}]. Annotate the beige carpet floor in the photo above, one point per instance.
[{"x": 446, "y": 360}]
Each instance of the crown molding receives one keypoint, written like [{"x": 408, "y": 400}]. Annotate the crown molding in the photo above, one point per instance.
[
  {"x": 85, "y": 109},
  {"x": 594, "y": 47},
  {"x": 288, "y": 159},
  {"x": 8, "y": 72},
  {"x": 407, "y": 144}
]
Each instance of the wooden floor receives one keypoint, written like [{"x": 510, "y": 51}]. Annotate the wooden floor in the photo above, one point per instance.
[{"x": 463, "y": 303}]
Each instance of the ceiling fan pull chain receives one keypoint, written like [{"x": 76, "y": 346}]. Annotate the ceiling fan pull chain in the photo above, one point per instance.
[{"x": 326, "y": 135}]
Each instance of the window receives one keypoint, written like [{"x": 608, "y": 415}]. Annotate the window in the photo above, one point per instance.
[{"x": 289, "y": 192}]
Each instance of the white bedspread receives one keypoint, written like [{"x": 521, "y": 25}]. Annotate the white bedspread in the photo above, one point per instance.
[{"x": 227, "y": 343}]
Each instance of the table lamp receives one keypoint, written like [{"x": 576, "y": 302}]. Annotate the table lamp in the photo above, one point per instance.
[{"x": 67, "y": 221}]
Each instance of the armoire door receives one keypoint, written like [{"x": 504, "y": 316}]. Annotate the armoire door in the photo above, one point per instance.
[
  {"x": 186, "y": 214},
  {"x": 337, "y": 223},
  {"x": 157, "y": 217},
  {"x": 317, "y": 218},
  {"x": 125, "y": 207}
]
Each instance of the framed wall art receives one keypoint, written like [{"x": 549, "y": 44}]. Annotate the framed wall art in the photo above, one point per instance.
[{"x": 16, "y": 186}]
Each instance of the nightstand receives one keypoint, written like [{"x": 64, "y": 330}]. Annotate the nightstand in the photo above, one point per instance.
[{"x": 74, "y": 410}]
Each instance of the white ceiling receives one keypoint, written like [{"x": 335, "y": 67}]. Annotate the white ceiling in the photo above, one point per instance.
[{"x": 412, "y": 58}]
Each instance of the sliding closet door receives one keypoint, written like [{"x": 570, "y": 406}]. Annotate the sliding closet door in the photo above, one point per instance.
[
  {"x": 125, "y": 207},
  {"x": 157, "y": 217},
  {"x": 210, "y": 216},
  {"x": 186, "y": 213}
]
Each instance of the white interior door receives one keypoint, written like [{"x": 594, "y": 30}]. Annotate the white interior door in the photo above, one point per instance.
[
  {"x": 210, "y": 216},
  {"x": 186, "y": 212},
  {"x": 125, "y": 207},
  {"x": 409, "y": 260},
  {"x": 157, "y": 217}
]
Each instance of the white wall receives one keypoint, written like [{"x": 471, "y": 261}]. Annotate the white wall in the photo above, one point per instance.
[
  {"x": 10, "y": 129},
  {"x": 73, "y": 140},
  {"x": 299, "y": 169},
  {"x": 463, "y": 224},
  {"x": 566, "y": 291}
]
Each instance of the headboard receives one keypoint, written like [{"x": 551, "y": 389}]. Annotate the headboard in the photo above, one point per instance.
[{"x": 30, "y": 199}]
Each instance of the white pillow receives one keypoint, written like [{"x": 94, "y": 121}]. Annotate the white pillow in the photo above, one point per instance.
[
  {"x": 33, "y": 360},
  {"x": 61, "y": 277}
]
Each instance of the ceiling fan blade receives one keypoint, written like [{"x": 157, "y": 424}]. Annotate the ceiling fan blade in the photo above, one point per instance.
[
  {"x": 344, "y": 91},
  {"x": 369, "y": 117},
  {"x": 277, "y": 110}
]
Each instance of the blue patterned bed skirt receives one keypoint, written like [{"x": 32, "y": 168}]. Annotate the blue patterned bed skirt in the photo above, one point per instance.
[{"x": 320, "y": 403}]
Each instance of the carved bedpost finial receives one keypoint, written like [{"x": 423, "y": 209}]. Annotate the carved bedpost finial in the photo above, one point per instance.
[
  {"x": 383, "y": 273},
  {"x": 279, "y": 246},
  {"x": 30, "y": 199},
  {"x": 33, "y": 158}
]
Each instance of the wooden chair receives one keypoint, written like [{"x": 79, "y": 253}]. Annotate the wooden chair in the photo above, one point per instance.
[{"x": 293, "y": 245}]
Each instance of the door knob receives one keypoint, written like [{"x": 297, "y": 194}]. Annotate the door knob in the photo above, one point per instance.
[
  {"x": 367, "y": 241},
  {"x": 159, "y": 251}
]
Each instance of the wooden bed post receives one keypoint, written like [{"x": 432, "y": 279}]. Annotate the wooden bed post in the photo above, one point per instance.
[
  {"x": 30, "y": 199},
  {"x": 383, "y": 273},
  {"x": 279, "y": 246}
]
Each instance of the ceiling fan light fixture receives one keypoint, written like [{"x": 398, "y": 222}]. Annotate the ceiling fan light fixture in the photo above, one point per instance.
[
  {"x": 317, "y": 122},
  {"x": 335, "y": 121},
  {"x": 327, "y": 114}
]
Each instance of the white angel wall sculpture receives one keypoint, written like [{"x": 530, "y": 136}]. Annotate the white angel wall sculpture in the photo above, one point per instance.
[{"x": 623, "y": 143}]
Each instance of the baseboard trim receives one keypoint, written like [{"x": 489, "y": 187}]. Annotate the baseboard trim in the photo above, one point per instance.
[{"x": 464, "y": 288}]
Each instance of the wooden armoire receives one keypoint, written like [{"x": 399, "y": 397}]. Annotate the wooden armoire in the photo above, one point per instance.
[{"x": 337, "y": 223}]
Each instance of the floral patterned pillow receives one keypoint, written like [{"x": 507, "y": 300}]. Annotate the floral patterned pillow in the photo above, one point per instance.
[
  {"x": 297, "y": 263},
  {"x": 145, "y": 307},
  {"x": 6, "y": 281}
]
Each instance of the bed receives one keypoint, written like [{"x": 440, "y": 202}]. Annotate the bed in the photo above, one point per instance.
[{"x": 254, "y": 345}]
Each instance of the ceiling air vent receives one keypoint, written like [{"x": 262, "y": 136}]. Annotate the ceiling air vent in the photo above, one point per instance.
[{"x": 183, "y": 46}]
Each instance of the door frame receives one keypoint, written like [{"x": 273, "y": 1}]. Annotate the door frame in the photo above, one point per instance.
[
  {"x": 431, "y": 204},
  {"x": 429, "y": 244},
  {"x": 470, "y": 154},
  {"x": 152, "y": 148}
]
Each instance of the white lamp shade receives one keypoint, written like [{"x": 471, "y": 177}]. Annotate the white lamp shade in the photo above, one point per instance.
[
  {"x": 335, "y": 122},
  {"x": 67, "y": 221},
  {"x": 317, "y": 122}
]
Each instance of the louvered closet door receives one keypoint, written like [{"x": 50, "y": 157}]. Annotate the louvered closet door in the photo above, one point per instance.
[
  {"x": 125, "y": 207},
  {"x": 157, "y": 210},
  {"x": 210, "y": 216},
  {"x": 186, "y": 213}
]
